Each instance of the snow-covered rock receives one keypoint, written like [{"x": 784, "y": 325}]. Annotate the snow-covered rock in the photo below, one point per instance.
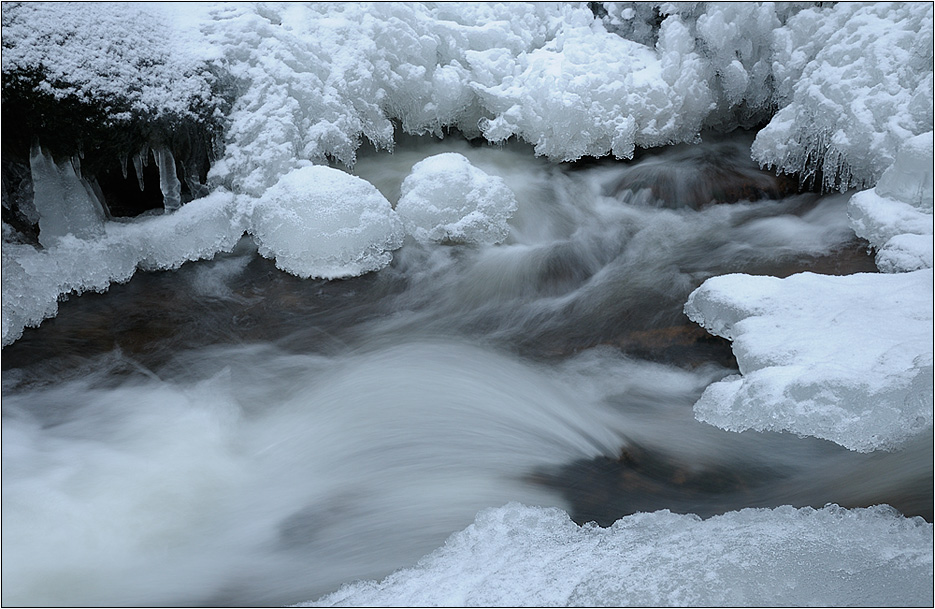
[
  {"x": 844, "y": 358},
  {"x": 526, "y": 556},
  {"x": 446, "y": 199},
  {"x": 896, "y": 215},
  {"x": 322, "y": 222}
]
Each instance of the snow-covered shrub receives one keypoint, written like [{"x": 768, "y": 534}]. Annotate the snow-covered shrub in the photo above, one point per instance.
[
  {"x": 447, "y": 200},
  {"x": 321, "y": 222}
]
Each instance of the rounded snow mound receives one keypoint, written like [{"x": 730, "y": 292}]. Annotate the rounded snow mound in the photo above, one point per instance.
[
  {"x": 447, "y": 200},
  {"x": 321, "y": 222}
]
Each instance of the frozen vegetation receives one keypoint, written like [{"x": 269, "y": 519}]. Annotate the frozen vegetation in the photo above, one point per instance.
[
  {"x": 537, "y": 557},
  {"x": 280, "y": 97}
]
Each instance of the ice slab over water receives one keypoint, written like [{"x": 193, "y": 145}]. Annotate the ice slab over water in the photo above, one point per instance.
[
  {"x": 446, "y": 199},
  {"x": 526, "y": 556},
  {"x": 34, "y": 279},
  {"x": 847, "y": 359},
  {"x": 896, "y": 215},
  {"x": 322, "y": 222}
]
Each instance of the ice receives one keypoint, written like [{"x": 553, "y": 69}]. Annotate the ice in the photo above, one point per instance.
[
  {"x": 65, "y": 202},
  {"x": 844, "y": 358},
  {"x": 33, "y": 280},
  {"x": 864, "y": 87},
  {"x": 588, "y": 92},
  {"x": 138, "y": 163},
  {"x": 896, "y": 215},
  {"x": 446, "y": 199},
  {"x": 528, "y": 556},
  {"x": 322, "y": 222},
  {"x": 168, "y": 180}
]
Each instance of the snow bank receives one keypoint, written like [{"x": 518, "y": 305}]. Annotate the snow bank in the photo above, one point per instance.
[
  {"x": 33, "y": 280},
  {"x": 896, "y": 215},
  {"x": 322, "y": 222},
  {"x": 445, "y": 199},
  {"x": 847, "y": 359},
  {"x": 313, "y": 80},
  {"x": 853, "y": 82},
  {"x": 525, "y": 556}
]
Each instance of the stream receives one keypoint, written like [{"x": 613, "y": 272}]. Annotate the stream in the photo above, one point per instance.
[{"x": 229, "y": 434}]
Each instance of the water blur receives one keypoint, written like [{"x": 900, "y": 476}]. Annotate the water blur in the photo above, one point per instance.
[{"x": 230, "y": 434}]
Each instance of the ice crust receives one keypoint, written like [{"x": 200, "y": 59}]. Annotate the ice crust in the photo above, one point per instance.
[
  {"x": 527, "y": 556},
  {"x": 896, "y": 215},
  {"x": 844, "y": 358},
  {"x": 34, "y": 279},
  {"x": 322, "y": 222},
  {"x": 446, "y": 199}
]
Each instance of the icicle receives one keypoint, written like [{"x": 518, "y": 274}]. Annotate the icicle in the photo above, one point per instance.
[
  {"x": 66, "y": 204},
  {"x": 76, "y": 163},
  {"x": 123, "y": 165},
  {"x": 138, "y": 166},
  {"x": 168, "y": 180}
]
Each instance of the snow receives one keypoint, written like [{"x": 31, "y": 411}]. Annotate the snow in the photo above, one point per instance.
[
  {"x": 527, "y": 556},
  {"x": 115, "y": 55},
  {"x": 864, "y": 87},
  {"x": 446, "y": 199},
  {"x": 896, "y": 215},
  {"x": 844, "y": 358},
  {"x": 850, "y": 81},
  {"x": 322, "y": 222}
]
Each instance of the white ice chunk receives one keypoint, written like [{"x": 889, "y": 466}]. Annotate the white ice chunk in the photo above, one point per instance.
[
  {"x": 322, "y": 222},
  {"x": 530, "y": 556},
  {"x": 896, "y": 215},
  {"x": 65, "y": 202},
  {"x": 847, "y": 359},
  {"x": 446, "y": 199},
  {"x": 33, "y": 280},
  {"x": 168, "y": 180},
  {"x": 864, "y": 87}
]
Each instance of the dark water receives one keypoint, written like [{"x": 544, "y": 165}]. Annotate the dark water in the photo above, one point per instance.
[{"x": 230, "y": 434}]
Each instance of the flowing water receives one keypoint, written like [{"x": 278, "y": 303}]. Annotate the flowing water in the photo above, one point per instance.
[{"x": 230, "y": 434}]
